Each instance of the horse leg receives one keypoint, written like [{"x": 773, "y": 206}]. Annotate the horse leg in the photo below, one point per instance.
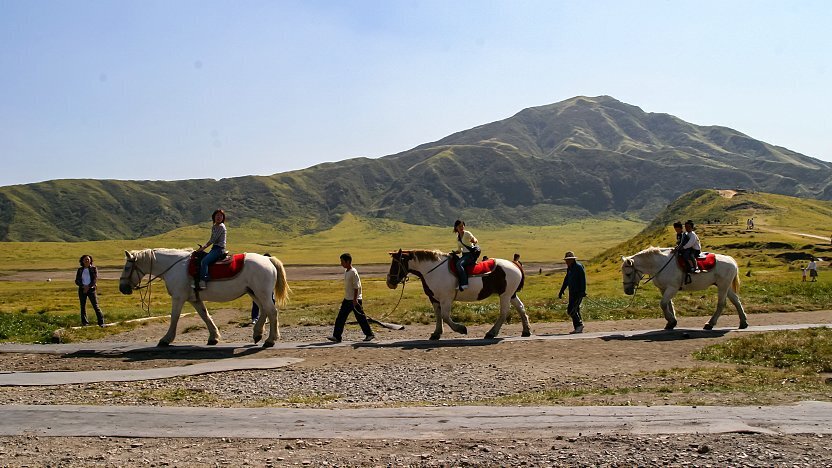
[
  {"x": 505, "y": 303},
  {"x": 720, "y": 305},
  {"x": 732, "y": 296},
  {"x": 213, "y": 331},
  {"x": 257, "y": 330},
  {"x": 446, "y": 316},
  {"x": 176, "y": 304},
  {"x": 274, "y": 332},
  {"x": 667, "y": 308},
  {"x": 524, "y": 317},
  {"x": 437, "y": 310}
]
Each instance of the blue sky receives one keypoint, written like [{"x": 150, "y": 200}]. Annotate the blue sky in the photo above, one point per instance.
[{"x": 211, "y": 89}]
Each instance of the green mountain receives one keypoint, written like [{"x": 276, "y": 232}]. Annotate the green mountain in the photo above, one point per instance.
[
  {"x": 545, "y": 165},
  {"x": 786, "y": 229}
]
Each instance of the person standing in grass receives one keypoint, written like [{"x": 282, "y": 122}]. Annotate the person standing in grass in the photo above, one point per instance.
[
  {"x": 352, "y": 303},
  {"x": 86, "y": 278},
  {"x": 575, "y": 280},
  {"x": 813, "y": 269}
]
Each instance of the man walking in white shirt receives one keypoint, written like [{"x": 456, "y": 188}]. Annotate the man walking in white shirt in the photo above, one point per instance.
[{"x": 352, "y": 303}]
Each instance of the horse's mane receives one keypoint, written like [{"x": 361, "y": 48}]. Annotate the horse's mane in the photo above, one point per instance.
[
  {"x": 653, "y": 250},
  {"x": 146, "y": 253},
  {"x": 426, "y": 255}
]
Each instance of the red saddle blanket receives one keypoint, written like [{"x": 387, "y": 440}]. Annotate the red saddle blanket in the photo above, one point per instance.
[
  {"x": 479, "y": 268},
  {"x": 226, "y": 268},
  {"x": 705, "y": 262}
]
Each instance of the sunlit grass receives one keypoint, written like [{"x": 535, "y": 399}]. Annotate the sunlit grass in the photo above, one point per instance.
[{"x": 807, "y": 350}]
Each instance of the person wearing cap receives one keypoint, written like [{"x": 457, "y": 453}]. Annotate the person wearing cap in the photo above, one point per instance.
[
  {"x": 575, "y": 279},
  {"x": 468, "y": 249},
  {"x": 691, "y": 247}
]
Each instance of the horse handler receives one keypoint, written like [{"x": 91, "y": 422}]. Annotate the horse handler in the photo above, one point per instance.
[
  {"x": 575, "y": 279},
  {"x": 352, "y": 303}
]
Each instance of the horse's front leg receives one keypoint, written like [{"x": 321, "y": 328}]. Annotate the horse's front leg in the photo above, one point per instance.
[
  {"x": 505, "y": 303},
  {"x": 446, "y": 317},
  {"x": 176, "y": 304},
  {"x": 667, "y": 308},
  {"x": 213, "y": 331},
  {"x": 524, "y": 317},
  {"x": 437, "y": 310}
]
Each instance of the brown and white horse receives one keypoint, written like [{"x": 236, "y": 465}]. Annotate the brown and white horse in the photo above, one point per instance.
[{"x": 440, "y": 285}]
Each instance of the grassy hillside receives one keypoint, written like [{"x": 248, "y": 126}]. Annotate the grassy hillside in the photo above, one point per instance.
[
  {"x": 788, "y": 230},
  {"x": 368, "y": 239}
]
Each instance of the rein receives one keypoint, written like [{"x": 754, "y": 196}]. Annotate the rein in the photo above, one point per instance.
[
  {"x": 145, "y": 296},
  {"x": 660, "y": 269}
]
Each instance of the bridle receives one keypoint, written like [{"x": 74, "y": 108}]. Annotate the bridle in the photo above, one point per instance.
[
  {"x": 145, "y": 290},
  {"x": 638, "y": 275}
]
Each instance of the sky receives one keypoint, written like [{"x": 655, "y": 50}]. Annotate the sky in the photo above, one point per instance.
[{"x": 170, "y": 90}]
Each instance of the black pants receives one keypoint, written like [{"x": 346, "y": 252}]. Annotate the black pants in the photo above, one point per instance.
[
  {"x": 347, "y": 307},
  {"x": 574, "y": 309},
  {"x": 91, "y": 295},
  {"x": 255, "y": 310}
]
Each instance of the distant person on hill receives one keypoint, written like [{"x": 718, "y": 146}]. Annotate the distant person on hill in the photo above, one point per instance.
[
  {"x": 516, "y": 259},
  {"x": 217, "y": 243},
  {"x": 813, "y": 269},
  {"x": 468, "y": 249},
  {"x": 575, "y": 280},
  {"x": 352, "y": 303},
  {"x": 86, "y": 278},
  {"x": 692, "y": 246}
]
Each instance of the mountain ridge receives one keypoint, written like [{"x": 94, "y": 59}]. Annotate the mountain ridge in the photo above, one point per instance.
[{"x": 569, "y": 160}]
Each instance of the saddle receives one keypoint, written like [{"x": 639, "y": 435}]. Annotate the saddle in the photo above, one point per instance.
[
  {"x": 705, "y": 262},
  {"x": 477, "y": 269},
  {"x": 225, "y": 268}
]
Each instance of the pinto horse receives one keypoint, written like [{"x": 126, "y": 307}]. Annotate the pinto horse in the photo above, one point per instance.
[
  {"x": 259, "y": 277},
  {"x": 669, "y": 277},
  {"x": 440, "y": 285}
]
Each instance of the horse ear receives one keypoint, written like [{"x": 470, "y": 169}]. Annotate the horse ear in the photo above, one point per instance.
[{"x": 127, "y": 255}]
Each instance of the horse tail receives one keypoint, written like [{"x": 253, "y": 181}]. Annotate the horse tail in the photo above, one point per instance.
[
  {"x": 522, "y": 279},
  {"x": 281, "y": 286},
  {"x": 735, "y": 285}
]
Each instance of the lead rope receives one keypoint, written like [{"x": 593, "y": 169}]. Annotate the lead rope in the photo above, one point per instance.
[{"x": 147, "y": 295}]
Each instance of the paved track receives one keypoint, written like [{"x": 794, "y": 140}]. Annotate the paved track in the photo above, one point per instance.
[{"x": 410, "y": 423}]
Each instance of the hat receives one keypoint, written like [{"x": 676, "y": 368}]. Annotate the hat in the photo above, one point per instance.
[
  {"x": 689, "y": 222},
  {"x": 569, "y": 256},
  {"x": 457, "y": 223}
]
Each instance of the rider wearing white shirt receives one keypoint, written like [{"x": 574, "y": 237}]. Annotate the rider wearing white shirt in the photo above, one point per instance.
[{"x": 692, "y": 247}]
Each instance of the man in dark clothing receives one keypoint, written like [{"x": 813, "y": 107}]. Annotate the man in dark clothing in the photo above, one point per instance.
[{"x": 576, "y": 281}]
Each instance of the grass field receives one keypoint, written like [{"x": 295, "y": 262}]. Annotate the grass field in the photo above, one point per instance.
[{"x": 769, "y": 260}]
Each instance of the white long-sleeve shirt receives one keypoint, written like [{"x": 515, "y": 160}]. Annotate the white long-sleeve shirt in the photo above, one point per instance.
[{"x": 693, "y": 241}]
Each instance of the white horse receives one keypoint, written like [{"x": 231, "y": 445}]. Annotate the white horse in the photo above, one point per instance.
[
  {"x": 440, "y": 285},
  {"x": 668, "y": 276},
  {"x": 260, "y": 277}
]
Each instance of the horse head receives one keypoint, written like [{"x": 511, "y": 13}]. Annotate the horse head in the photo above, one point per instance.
[
  {"x": 632, "y": 277},
  {"x": 131, "y": 275},
  {"x": 398, "y": 268}
]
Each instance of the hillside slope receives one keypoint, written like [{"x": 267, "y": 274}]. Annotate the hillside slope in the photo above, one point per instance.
[{"x": 545, "y": 165}]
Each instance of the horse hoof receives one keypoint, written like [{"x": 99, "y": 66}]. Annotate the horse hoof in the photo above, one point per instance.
[
  {"x": 670, "y": 326},
  {"x": 268, "y": 344},
  {"x": 212, "y": 342},
  {"x": 743, "y": 325},
  {"x": 708, "y": 326},
  {"x": 434, "y": 337},
  {"x": 162, "y": 344},
  {"x": 489, "y": 336},
  {"x": 526, "y": 334},
  {"x": 257, "y": 338},
  {"x": 464, "y": 330}
]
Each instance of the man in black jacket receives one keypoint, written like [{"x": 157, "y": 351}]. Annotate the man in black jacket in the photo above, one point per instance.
[{"x": 575, "y": 279}]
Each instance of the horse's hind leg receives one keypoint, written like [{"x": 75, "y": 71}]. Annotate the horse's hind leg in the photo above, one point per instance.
[
  {"x": 732, "y": 296},
  {"x": 213, "y": 331},
  {"x": 274, "y": 332},
  {"x": 505, "y": 303},
  {"x": 720, "y": 305},
  {"x": 524, "y": 317}
]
